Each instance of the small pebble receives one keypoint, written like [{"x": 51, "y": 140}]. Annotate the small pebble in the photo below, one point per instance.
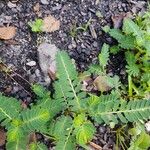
[
  {"x": 11, "y": 5},
  {"x": 44, "y": 2},
  {"x": 31, "y": 63}
]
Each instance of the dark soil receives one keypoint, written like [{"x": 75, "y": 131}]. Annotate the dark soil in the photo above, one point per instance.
[{"x": 83, "y": 47}]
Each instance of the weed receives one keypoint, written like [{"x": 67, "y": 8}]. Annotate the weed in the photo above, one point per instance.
[
  {"x": 73, "y": 126},
  {"x": 134, "y": 40},
  {"x": 36, "y": 26},
  {"x": 83, "y": 28}
]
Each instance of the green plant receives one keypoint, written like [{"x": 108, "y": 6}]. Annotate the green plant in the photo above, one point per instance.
[
  {"x": 100, "y": 69},
  {"x": 74, "y": 29},
  {"x": 36, "y": 26},
  {"x": 121, "y": 137},
  {"x": 134, "y": 40},
  {"x": 77, "y": 112},
  {"x": 140, "y": 139}
]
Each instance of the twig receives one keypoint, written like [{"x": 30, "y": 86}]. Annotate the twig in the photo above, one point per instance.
[{"x": 97, "y": 147}]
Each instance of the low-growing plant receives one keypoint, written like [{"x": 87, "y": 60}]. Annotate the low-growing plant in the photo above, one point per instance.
[
  {"x": 100, "y": 69},
  {"x": 67, "y": 116},
  {"x": 134, "y": 40},
  {"x": 36, "y": 26},
  {"x": 74, "y": 29}
]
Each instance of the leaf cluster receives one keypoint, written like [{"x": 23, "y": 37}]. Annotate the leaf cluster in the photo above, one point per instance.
[
  {"x": 73, "y": 126},
  {"x": 134, "y": 40},
  {"x": 36, "y": 26}
]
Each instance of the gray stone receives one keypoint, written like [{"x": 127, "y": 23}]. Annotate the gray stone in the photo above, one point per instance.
[
  {"x": 46, "y": 55},
  {"x": 11, "y": 5},
  {"x": 45, "y": 2},
  {"x": 31, "y": 63}
]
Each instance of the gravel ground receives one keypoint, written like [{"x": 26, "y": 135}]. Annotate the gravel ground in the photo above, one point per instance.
[{"x": 83, "y": 47}]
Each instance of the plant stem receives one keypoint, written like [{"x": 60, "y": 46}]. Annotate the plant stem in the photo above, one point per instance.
[{"x": 130, "y": 85}]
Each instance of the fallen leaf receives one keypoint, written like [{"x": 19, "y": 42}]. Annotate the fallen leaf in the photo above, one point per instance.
[
  {"x": 117, "y": 20},
  {"x": 95, "y": 146},
  {"x": 11, "y": 42},
  {"x": 7, "y": 33},
  {"x": 23, "y": 105},
  {"x": 101, "y": 83},
  {"x": 52, "y": 75},
  {"x": 2, "y": 137},
  {"x": 50, "y": 24},
  {"x": 36, "y": 8}
]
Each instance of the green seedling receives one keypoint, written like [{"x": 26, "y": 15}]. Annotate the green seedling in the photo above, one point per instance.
[
  {"x": 36, "y": 26},
  {"x": 83, "y": 28}
]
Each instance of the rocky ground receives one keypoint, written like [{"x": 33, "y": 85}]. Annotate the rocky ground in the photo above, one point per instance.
[{"x": 20, "y": 54}]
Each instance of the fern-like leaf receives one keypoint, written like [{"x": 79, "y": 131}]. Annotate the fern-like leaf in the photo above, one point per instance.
[
  {"x": 132, "y": 111},
  {"x": 61, "y": 129},
  {"x": 84, "y": 130},
  {"x": 84, "y": 133},
  {"x": 37, "y": 146},
  {"x": 95, "y": 69},
  {"x": 35, "y": 119},
  {"x": 16, "y": 138},
  {"x": 104, "y": 56},
  {"x": 132, "y": 67},
  {"x": 40, "y": 91},
  {"x": 125, "y": 41},
  {"x": 129, "y": 27},
  {"x": 7, "y": 106},
  {"x": 66, "y": 144},
  {"x": 128, "y": 42},
  {"x": 69, "y": 82},
  {"x": 116, "y": 34}
]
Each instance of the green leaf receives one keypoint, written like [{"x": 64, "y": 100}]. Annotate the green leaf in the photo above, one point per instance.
[
  {"x": 7, "y": 106},
  {"x": 66, "y": 144},
  {"x": 16, "y": 138},
  {"x": 114, "y": 82},
  {"x": 116, "y": 34},
  {"x": 133, "y": 111},
  {"x": 104, "y": 56},
  {"x": 84, "y": 133},
  {"x": 106, "y": 29},
  {"x": 95, "y": 69},
  {"x": 142, "y": 142},
  {"x": 35, "y": 119},
  {"x": 37, "y": 146},
  {"x": 36, "y": 26},
  {"x": 40, "y": 91},
  {"x": 79, "y": 120},
  {"x": 70, "y": 86},
  {"x": 61, "y": 127},
  {"x": 129, "y": 27},
  {"x": 132, "y": 67},
  {"x": 114, "y": 49},
  {"x": 125, "y": 41}
]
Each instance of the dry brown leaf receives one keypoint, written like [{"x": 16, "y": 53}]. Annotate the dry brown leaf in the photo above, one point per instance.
[
  {"x": 52, "y": 74},
  {"x": 2, "y": 137},
  {"x": 11, "y": 42},
  {"x": 117, "y": 20},
  {"x": 36, "y": 8},
  {"x": 50, "y": 24},
  {"x": 7, "y": 33},
  {"x": 101, "y": 84}
]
